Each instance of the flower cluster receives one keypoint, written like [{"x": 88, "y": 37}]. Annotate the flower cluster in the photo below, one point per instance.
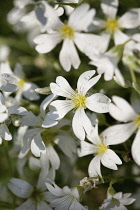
[{"x": 85, "y": 59}]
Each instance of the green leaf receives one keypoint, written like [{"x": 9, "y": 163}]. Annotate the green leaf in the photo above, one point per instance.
[{"x": 136, "y": 86}]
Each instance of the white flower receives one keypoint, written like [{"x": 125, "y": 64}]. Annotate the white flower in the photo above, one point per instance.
[
  {"x": 36, "y": 196},
  {"x": 30, "y": 16},
  {"x": 113, "y": 25},
  {"x": 100, "y": 148},
  {"x": 122, "y": 111},
  {"x": 131, "y": 52},
  {"x": 65, "y": 198},
  {"x": 32, "y": 138},
  {"x": 70, "y": 34},
  {"x": 7, "y": 78},
  {"x": 4, "y": 114},
  {"x": 27, "y": 89},
  {"x": 41, "y": 141},
  {"x": 107, "y": 64},
  {"x": 77, "y": 101},
  {"x": 117, "y": 201}
]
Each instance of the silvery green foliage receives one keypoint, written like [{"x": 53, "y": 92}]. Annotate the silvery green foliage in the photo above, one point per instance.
[{"x": 50, "y": 138}]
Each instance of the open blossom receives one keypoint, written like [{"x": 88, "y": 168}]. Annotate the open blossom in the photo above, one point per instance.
[
  {"x": 118, "y": 201},
  {"x": 26, "y": 89},
  {"x": 4, "y": 114},
  {"x": 41, "y": 141},
  {"x": 7, "y": 78},
  {"x": 99, "y": 146},
  {"x": 122, "y": 111},
  {"x": 71, "y": 35},
  {"x": 77, "y": 101},
  {"x": 65, "y": 198},
  {"x": 107, "y": 64},
  {"x": 113, "y": 25},
  {"x": 37, "y": 197},
  {"x": 35, "y": 18}
]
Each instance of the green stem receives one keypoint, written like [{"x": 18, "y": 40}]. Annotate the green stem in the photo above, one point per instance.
[
  {"x": 133, "y": 75},
  {"x": 8, "y": 157}
]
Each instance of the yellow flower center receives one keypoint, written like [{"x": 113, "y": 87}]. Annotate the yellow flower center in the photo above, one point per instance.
[
  {"x": 79, "y": 101},
  {"x": 67, "y": 32},
  {"x": 137, "y": 121},
  {"x": 112, "y": 25},
  {"x": 101, "y": 148},
  {"x": 21, "y": 83}
]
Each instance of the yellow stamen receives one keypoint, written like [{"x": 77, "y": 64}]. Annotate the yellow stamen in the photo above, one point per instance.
[
  {"x": 101, "y": 148},
  {"x": 67, "y": 32},
  {"x": 79, "y": 101},
  {"x": 137, "y": 121},
  {"x": 112, "y": 25},
  {"x": 21, "y": 83}
]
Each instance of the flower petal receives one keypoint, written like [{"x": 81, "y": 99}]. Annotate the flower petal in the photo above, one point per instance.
[
  {"x": 119, "y": 77},
  {"x": 81, "y": 124},
  {"x": 68, "y": 55},
  {"x": 29, "y": 204},
  {"x": 19, "y": 110},
  {"x": 86, "y": 149},
  {"x": 61, "y": 107},
  {"x": 93, "y": 136},
  {"x": 88, "y": 43},
  {"x": 120, "y": 37},
  {"x": 46, "y": 42},
  {"x": 26, "y": 144},
  {"x": 130, "y": 19},
  {"x": 55, "y": 190},
  {"x": 2, "y": 103},
  {"x": 121, "y": 110},
  {"x": 62, "y": 88},
  {"x": 98, "y": 103},
  {"x": 29, "y": 91},
  {"x": 110, "y": 159},
  {"x": 3, "y": 117},
  {"x": 81, "y": 17},
  {"x": 43, "y": 205},
  {"x": 53, "y": 21},
  {"x": 136, "y": 148},
  {"x": 45, "y": 103},
  {"x": 114, "y": 157},
  {"x": 50, "y": 120},
  {"x": 94, "y": 168},
  {"x": 53, "y": 157},
  {"x": 37, "y": 145},
  {"x": 9, "y": 88},
  {"x": 4, "y": 132},
  {"x": 20, "y": 188},
  {"x": 110, "y": 7},
  {"x": 85, "y": 82},
  {"x": 118, "y": 134},
  {"x": 30, "y": 120}
]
